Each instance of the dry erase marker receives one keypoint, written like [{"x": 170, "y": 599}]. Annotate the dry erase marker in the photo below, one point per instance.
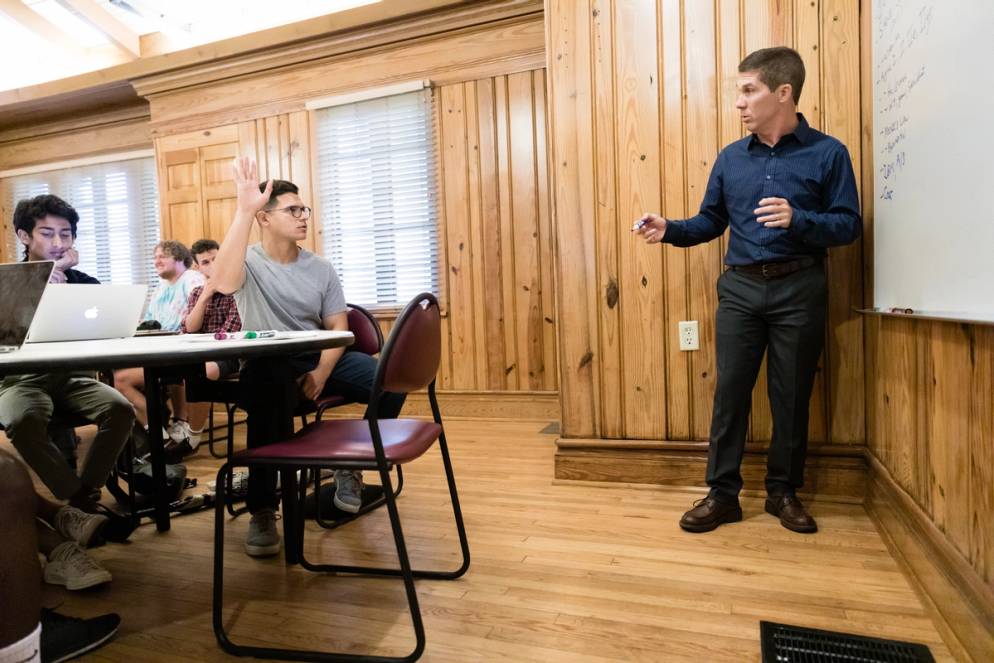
[
  {"x": 638, "y": 224},
  {"x": 899, "y": 309}
]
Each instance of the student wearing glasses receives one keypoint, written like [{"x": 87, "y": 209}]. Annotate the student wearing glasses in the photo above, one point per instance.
[{"x": 280, "y": 285}]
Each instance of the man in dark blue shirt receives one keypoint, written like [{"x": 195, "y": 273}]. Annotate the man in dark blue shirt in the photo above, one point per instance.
[{"x": 788, "y": 193}]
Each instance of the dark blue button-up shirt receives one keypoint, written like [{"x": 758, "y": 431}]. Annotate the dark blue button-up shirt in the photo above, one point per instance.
[{"x": 812, "y": 171}]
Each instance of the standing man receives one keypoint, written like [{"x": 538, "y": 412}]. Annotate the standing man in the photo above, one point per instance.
[
  {"x": 281, "y": 286},
  {"x": 788, "y": 193},
  {"x": 46, "y": 225}
]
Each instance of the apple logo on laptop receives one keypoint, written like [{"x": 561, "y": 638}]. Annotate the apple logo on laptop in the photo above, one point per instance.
[{"x": 91, "y": 313}]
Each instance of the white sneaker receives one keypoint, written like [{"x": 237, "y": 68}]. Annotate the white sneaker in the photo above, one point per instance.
[
  {"x": 78, "y": 526},
  {"x": 263, "y": 538},
  {"x": 180, "y": 431},
  {"x": 69, "y": 565}
]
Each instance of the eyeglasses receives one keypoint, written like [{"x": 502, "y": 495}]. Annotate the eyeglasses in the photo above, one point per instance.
[{"x": 295, "y": 211}]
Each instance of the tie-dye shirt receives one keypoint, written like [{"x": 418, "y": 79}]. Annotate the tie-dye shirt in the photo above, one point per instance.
[{"x": 169, "y": 300}]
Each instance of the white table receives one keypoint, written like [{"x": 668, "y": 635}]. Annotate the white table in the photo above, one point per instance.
[{"x": 157, "y": 355}]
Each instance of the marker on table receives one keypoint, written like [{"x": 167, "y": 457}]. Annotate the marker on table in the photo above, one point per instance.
[{"x": 245, "y": 335}]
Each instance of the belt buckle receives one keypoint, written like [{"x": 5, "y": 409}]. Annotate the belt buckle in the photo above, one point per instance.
[{"x": 768, "y": 270}]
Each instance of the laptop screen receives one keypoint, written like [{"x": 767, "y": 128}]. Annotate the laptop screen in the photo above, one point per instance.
[{"x": 21, "y": 287}]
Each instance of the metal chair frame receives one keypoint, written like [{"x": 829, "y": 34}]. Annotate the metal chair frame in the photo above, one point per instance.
[{"x": 293, "y": 519}]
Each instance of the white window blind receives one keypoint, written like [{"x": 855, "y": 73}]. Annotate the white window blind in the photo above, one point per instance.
[
  {"x": 118, "y": 207},
  {"x": 378, "y": 198}
]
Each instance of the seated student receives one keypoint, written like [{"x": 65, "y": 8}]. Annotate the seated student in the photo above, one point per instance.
[
  {"x": 209, "y": 311},
  {"x": 168, "y": 304},
  {"x": 29, "y": 633},
  {"x": 281, "y": 286},
  {"x": 46, "y": 225}
]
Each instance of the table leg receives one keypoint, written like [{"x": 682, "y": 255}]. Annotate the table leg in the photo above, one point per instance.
[{"x": 153, "y": 401}]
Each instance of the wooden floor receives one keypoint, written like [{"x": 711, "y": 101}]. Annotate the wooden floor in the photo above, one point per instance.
[{"x": 559, "y": 573}]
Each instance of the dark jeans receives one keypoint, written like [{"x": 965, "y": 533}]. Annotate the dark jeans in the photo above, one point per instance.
[
  {"x": 784, "y": 317},
  {"x": 270, "y": 396}
]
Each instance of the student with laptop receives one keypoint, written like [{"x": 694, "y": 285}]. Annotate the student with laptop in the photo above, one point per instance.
[
  {"x": 281, "y": 286},
  {"x": 173, "y": 264},
  {"x": 46, "y": 225}
]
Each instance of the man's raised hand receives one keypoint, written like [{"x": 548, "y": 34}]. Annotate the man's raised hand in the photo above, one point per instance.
[{"x": 250, "y": 199}]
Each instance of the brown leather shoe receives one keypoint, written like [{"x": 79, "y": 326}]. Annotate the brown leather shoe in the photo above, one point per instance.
[
  {"x": 791, "y": 513},
  {"x": 708, "y": 513}
]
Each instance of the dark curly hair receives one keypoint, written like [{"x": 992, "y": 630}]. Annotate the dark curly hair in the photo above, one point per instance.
[{"x": 31, "y": 210}]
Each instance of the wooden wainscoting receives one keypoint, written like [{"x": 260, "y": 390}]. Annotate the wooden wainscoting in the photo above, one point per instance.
[
  {"x": 538, "y": 406},
  {"x": 833, "y": 472},
  {"x": 961, "y": 603}
]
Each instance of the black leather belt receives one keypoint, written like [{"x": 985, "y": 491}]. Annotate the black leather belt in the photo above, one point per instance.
[{"x": 775, "y": 270}]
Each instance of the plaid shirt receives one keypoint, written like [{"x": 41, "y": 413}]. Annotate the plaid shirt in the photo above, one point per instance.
[{"x": 221, "y": 313}]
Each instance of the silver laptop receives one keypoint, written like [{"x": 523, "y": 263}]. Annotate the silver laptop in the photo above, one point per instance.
[
  {"x": 83, "y": 312},
  {"x": 21, "y": 288}
]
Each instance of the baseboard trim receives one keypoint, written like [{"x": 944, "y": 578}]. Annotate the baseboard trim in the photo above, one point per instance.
[
  {"x": 834, "y": 472},
  {"x": 510, "y": 405},
  {"x": 961, "y": 603}
]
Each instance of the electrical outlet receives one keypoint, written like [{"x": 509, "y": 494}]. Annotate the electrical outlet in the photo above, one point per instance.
[{"x": 689, "y": 335}]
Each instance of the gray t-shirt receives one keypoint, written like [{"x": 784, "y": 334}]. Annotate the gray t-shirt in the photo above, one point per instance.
[{"x": 292, "y": 297}]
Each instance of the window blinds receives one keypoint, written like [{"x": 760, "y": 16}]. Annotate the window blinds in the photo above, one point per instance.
[
  {"x": 118, "y": 207},
  {"x": 378, "y": 199}
]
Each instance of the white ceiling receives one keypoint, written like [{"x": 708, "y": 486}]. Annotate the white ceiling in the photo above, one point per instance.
[{"x": 45, "y": 40}]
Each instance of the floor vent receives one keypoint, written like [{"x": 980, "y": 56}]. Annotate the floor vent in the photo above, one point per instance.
[{"x": 795, "y": 644}]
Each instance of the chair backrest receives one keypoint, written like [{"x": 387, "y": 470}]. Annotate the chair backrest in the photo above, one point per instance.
[
  {"x": 411, "y": 356},
  {"x": 368, "y": 336}
]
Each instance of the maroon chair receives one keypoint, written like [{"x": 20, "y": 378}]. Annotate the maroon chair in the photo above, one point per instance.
[{"x": 409, "y": 361}]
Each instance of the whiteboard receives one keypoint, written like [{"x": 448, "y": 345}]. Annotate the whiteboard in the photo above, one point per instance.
[{"x": 933, "y": 155}]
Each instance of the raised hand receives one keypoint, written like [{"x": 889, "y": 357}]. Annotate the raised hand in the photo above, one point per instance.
[
  {"x": 250, "y": 199},
  {"x": 651, "y": 227}
]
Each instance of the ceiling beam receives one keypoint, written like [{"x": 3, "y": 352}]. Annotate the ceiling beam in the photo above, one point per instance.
[
  {"x": 53, "y": 35},
  {"x": 101, "y": 19}
]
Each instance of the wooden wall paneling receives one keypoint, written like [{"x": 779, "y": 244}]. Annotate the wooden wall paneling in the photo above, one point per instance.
[
  {"x": 78, "y": 142},
  {"x": 546, "y": 273},
  {"x": 677, "y": 388},
  {"x": 491, "y": 250},
  {"x": 640, "y": 267},
  {"x": 476, "y": 246},
  {"x": 981, "y": 452},
  {"x": 301, "y": 160},
  {"x": 527, "y": 312},
  {"x": 6, "y": 225},
  {"x": 459, "y": 239},
  {"x": 948, "y": 396},
  {"x": 607, "y": 241},
  {"x": 512, "y": 368},
  {"x": 841, "y": 113},
  {"x": 568, "y": 44},
  {"x": 704, "y": 261},
  {"x": 806, "y": 40}
]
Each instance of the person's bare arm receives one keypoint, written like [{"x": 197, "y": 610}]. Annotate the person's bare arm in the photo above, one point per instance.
[
  {"x": 229, "y": 266},
  {"x": 312, "y": 383}
]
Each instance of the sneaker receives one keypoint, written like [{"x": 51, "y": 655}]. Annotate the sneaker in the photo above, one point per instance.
[
  {"x": 70, "y": 566},
  {"x": 79, "y": 526},
  {"x": 63, "y": 638},
  {"x": 180, "y": 431},
  {"x": 348, "y": 490},
  {"x": 263, "y": 539}
]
